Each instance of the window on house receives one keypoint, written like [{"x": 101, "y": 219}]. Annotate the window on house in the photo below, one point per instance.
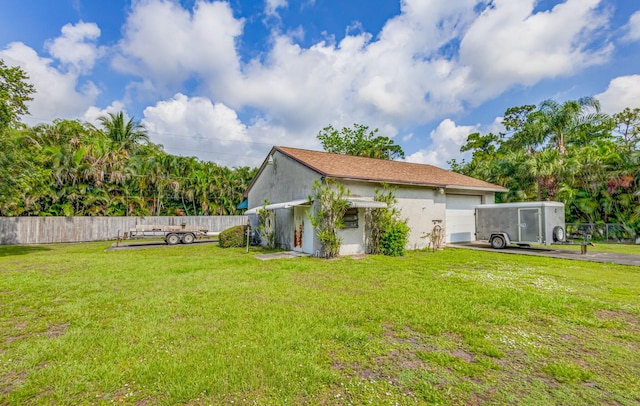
[{"x": 350, "y": 218}]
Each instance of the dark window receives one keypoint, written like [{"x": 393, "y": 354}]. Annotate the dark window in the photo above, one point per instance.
[{"x": 350, "y": 218}]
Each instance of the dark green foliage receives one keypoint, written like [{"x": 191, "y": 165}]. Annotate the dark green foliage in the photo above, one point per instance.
[
  {"x": 70, "y": 168},
  {"x": 234, "y": 237},
  {"x": 394, "y": 239},
  {"x": 388, "y": 233}
]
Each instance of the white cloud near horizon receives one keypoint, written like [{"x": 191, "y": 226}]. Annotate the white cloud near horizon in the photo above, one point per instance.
[
  {"x": 196, "y": 126},
  {"x": 446, "y": 140},
  {"x": 93, "y": 113},
  {"x": 622, "y": 92}
]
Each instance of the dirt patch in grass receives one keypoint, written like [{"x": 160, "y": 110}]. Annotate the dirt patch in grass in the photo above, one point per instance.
[
  {"x": 56, "y": 330},
  {"x": 18, "y": 327},
  {"x": 389, "y": 366},
  {"x": 464, "y": 355},
  {"x": 11, "y": 380},
  {"x": 632, "y": 320}
]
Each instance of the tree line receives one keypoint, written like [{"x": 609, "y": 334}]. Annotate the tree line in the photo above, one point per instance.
[
  {"x": 73, "y": 168},
  {"x": 569, "y": 152}
]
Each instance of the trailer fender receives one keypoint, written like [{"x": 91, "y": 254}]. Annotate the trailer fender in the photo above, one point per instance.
[{"x": 499, "y": 240}]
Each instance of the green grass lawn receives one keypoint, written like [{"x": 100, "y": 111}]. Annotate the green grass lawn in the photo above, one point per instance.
[{"x": 201, "y": 325}]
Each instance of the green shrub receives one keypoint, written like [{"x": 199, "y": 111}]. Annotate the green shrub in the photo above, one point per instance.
[
  {"x": 233, "y": 237},
  {"x": 388, "y": 232},
  {"x": 394, "y": 239}
]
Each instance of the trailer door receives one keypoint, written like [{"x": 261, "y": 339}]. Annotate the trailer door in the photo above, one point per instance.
[{"x": 530, "y": 225}]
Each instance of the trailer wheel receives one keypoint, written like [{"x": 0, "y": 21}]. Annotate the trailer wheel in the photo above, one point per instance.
[
  {"x": 498, "y": 242},
  {"x": 188, "y": 238},
  {"x": 172, "y": 239},
  {"x": 558, "y": 234}
]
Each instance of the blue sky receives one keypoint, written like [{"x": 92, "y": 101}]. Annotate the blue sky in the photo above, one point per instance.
[{"x": 225, "y": 81}]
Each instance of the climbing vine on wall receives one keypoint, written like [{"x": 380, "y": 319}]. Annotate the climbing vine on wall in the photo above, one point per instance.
[{"x": 327, "y": 220}]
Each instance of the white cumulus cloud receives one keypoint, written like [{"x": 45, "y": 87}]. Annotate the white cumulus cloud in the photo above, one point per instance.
[
  {"x": 623, "y": 91},
  {"x": 510, "y": 45},
  {"x": 76, "y": 47},
  {"x": 93, "y": 113},
  {"x": 196, "y": 126},
  {"x": 446, "y": 141},
  {"x": 167, "y": 44}
]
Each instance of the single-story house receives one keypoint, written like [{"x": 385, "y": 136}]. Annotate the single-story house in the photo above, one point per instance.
[{"x": 427, "y": 196}]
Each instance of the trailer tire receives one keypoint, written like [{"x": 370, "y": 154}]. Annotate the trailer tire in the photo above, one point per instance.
[
  {"x": 188, "y": 238},
  {"x": 172, "y": 239},
  {"x": 558, "y": 234},
  {"x": 498, "y": 242}
]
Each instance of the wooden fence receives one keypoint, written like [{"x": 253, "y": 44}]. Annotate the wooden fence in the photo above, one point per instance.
[{"x": 43, "y": 230}]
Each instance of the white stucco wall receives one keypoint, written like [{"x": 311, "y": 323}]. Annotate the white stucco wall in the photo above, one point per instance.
[{"x": 354, "y": 239}]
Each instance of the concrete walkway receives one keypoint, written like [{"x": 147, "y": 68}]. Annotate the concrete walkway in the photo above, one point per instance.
[
  {"x": 593, "y": 256},
  {"x": 280, "y": 255}
]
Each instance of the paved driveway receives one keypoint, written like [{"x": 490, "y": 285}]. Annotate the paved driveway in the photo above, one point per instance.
[{"x": 552, "y": 252}]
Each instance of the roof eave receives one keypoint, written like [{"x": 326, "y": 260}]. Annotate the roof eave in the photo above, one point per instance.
[
  {"x": 488, "y": 189},
  {"x": 421, "y": 184}
]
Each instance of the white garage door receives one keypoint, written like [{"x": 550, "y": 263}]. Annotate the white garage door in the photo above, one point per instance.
[{"x": 460, "y": 218}]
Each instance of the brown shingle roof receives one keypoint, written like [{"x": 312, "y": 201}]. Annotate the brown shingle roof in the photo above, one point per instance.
[{"x": 382, "y": 170}]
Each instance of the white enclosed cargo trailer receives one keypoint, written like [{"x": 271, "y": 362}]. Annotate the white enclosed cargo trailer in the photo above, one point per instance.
[{"x": 523, "y": 223}]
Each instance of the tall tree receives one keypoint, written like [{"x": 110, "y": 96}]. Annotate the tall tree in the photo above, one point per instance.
[
  {"x": 15, "y": 92},
  {"x": 564, "y": 123},
  {"x": 627, "y": 125},
  {"x": 359, "y": 141}
]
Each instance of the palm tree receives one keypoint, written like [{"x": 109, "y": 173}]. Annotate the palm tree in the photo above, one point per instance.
[
  {"x": 125, "y": 135},
  {"x": 563, "y": 122}
]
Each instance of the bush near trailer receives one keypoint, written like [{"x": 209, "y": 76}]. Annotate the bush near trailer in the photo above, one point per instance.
[{"x": 234, "y": 237}]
